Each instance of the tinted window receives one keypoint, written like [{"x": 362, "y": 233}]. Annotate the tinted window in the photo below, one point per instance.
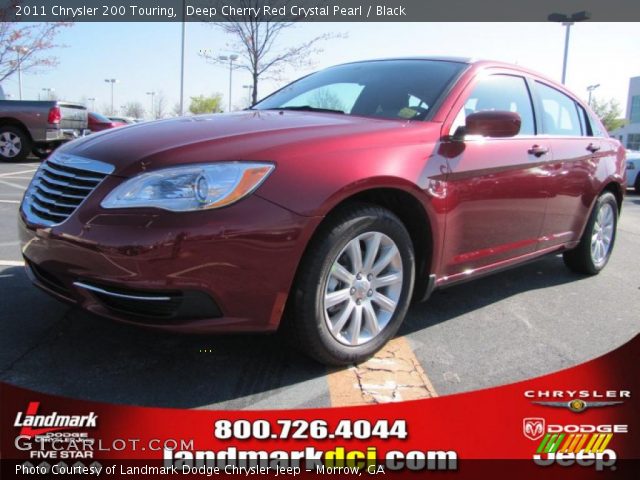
[
  {"x": 504, "y": 93},
  {"x": 596, "y": 129},
  {"x": 404, "y": 89},
  {"x": 559, "y": 113},
  {"x": 99, "y": 117}
]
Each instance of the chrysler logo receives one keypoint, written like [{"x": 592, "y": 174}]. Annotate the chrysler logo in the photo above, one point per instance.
[{"x": 533, "y": 428}]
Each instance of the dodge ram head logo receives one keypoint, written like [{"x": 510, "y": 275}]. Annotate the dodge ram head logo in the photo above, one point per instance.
[{"x": 533, "y": 428}]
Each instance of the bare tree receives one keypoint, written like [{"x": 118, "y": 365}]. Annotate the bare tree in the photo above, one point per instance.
[
  {"x": 255, "y": 39},
  {"x": 26, "y": 45},
  {"x": 175, "y": 111},
  {"x": 133, "y": 109}
]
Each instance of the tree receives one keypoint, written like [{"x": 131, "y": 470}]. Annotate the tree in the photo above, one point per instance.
[
  {"x": 202, "y": 104},
  {"x": 255, "y": 39},
  {"x": 175, "y": 111},
  {"x": 34, "y": 41},
  {"x": 133, "y": 109},
  {"x": 609, "y": 113}
]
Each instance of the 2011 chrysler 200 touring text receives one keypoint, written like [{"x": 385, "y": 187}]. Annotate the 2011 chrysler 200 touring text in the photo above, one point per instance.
[{"x": 328, "y": 206}]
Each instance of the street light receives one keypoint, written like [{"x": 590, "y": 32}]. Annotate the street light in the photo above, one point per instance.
[
  {"x": 590, "y": 89},
  {"x": 232, "y": 58},
  {"x": 112, "y": 81},
  {"x": 152, "y": 95},
  {"x": 93, "y": 102},
  {"x": 19, "y": 50},
  {"x": 48, "y": 90},
  {"x": 184, "y": 23},
  {"x": 567, "y": 21}
]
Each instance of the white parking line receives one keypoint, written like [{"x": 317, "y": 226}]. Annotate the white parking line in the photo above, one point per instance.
[
  {"x": 14, "y": 185},
  {"x": 11, "y": 263},
  {"x": 10, "y": 201},
  {"x": 11, "y": 174}
]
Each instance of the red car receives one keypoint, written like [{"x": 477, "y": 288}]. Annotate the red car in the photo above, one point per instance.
[
  {"x": 98, "y": 122},
  {"x": 329, "y": 206}
]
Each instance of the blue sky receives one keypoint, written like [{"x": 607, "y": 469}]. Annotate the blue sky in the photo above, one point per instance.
[{"x": 146, "y": 56}]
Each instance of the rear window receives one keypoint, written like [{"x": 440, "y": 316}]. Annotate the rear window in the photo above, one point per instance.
[
  {"x": 99, "y": 117},
  {"x": 395, "y": 89}
]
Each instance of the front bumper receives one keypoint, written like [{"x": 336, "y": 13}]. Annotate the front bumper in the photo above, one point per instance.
[{"x": 221, "y": 270}]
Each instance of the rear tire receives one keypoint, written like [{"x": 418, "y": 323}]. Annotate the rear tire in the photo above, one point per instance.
[
  {"x": 637, "y": 185},
  {"x": 15, "y": 144},
  {"x": 353, "y": 287},
  {"x": 594, "y": 250}
]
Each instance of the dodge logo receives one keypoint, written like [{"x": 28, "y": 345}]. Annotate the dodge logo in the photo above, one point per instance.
[{"x": 533, "y": 428}]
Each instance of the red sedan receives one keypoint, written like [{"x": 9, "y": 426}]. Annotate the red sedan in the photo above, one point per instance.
[
  {"x": 98, "y": 122},
  {"x": 329, "y": 206}
]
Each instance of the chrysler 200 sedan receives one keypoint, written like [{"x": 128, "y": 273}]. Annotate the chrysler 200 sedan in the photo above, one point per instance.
[{"x": 329, "y": 206}]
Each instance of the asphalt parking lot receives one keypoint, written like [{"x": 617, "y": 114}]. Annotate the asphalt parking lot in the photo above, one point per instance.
[{"x": 532, "y": 320}]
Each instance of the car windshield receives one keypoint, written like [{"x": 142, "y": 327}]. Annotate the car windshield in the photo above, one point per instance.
[{"x": 395, "y": 89}]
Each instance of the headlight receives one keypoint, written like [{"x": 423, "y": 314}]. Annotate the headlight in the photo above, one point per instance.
[
  {"x": 631, "y": 166},
  {"x": 191, "y": 187}
]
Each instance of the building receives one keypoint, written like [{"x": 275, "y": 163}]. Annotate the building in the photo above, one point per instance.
[{"x": 629, "y": 135}]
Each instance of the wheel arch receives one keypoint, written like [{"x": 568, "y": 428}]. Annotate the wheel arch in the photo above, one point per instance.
[
  {"x": 10, "y": 121},
  {"x": 413, "y": 214}
]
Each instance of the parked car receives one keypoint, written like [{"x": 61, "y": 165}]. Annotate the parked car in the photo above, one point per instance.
[
  {"x": 633, "y": 170},
  {"x": 98, "y": 122},
  {"x": 37, "y": 127},
  {"x": 329, "y": 206},
  {"x": 127, "y": 120}
]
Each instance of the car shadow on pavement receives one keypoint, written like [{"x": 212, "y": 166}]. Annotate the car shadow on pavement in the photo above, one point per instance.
[
  {"x": 54, "y": 348},
  {"x": 461, "y": 299}
]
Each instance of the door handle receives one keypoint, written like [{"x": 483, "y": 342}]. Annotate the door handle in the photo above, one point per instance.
[
  {"x": 593, "y": 148},
  {"x": 538, "y": 151}
]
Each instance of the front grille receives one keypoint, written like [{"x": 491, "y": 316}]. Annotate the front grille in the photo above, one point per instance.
[{"x": 58, "y": 189}]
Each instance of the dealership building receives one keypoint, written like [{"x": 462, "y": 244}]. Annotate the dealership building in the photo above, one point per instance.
[{"x": 629, "y": 135}]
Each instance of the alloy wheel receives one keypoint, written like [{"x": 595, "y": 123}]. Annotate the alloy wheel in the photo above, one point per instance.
[
  {"x": 363, "y": 288},
  {"x": 10, "y": 144},
  {"x": 602, "y": 234}
]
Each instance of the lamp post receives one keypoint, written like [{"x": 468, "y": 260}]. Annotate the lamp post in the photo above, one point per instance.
[
  {"x": 184, "y": 23},
  {"x": 93, "y": 102},
  {"x": 48, "y": 90},
  {"x": 590, "y": 89},
  {"x": 232, "y": 58},
  {"x": 19, "y": 51},
  {"x": 112, "y": 81},
  {"x": 567, "y": 21},
  {"x": 152, "y": 94}
]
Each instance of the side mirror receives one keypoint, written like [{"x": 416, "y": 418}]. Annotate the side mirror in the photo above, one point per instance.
[{"x": 497, "y": 124}]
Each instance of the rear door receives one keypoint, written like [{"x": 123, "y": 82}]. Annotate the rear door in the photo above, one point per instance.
[
  {"x": 496, "y": 188},
  {"x": 576, "y": 154}
]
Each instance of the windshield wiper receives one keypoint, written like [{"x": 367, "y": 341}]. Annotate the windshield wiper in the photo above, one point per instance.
[{"x": 307, "y": 108}]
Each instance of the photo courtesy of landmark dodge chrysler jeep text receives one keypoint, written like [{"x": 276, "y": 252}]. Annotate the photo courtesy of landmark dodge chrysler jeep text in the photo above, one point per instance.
[{"x": 329, "y": 206}]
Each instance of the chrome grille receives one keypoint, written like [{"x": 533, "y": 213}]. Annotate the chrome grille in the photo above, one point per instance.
[{"x": 60, "y": 186}]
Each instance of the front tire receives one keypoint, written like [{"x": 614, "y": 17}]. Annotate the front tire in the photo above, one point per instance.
[
  {"x": 594, "y": 250},
  {"x": 637, "y": 184},
  {"x": 353, "y": 287},
  {"x": 15, "y": 144}
]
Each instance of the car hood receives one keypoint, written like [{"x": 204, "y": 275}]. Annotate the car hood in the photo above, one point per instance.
[{"x": 250, "y": 135}]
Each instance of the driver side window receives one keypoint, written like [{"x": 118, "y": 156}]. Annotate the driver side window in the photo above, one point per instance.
[{"x": 499, "y": 93}]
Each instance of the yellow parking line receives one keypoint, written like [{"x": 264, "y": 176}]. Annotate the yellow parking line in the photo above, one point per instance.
[{"x": 392, "y": 375}]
